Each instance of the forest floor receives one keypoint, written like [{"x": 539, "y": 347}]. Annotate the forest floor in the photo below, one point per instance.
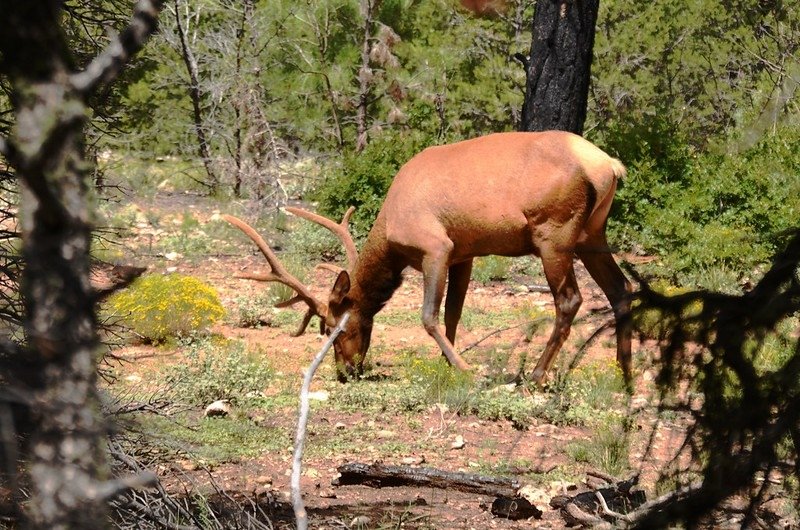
[{"x": 247, "y": 455}]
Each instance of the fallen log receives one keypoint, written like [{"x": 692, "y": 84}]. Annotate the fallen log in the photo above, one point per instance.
[{"x": 380, "y": 476}]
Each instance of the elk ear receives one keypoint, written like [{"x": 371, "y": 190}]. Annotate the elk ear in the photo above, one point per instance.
[{"x": 340, "y": 288}]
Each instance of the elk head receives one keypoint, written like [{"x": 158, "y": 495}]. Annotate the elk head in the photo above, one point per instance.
[{"x": 350, "y": 347}]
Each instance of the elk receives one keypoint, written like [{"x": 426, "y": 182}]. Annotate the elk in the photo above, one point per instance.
[{"x": 509, "y": 194}]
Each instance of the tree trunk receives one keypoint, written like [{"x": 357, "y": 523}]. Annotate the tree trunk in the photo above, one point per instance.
[
  {"x": 194, "y": 93},
  {"x": 68, "y": 467},
  {"x": 557, "y": 87},
  {"x": 365, "y": 74}
]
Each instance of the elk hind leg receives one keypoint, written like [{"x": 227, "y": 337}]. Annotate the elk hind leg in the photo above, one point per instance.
[
  {"x": 560, "y": 276},
  {"x": 610, "y": 278}
]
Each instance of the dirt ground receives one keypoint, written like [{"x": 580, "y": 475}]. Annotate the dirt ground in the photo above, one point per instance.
[{"x": 265, "y": 479}]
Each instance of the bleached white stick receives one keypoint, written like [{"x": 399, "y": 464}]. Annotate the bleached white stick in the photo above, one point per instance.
[{"x": 300, "y": 515}]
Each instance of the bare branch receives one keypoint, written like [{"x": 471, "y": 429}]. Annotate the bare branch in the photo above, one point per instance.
[
  {"x": 108, "y": 65},
  {"x": 300, "y": 438}
]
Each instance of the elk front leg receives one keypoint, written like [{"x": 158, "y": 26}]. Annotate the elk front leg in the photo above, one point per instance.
[
  {"x": 457, "y": 284},
  {"x": 434, "y": 269},
  {"x": 561, "y": 278}
]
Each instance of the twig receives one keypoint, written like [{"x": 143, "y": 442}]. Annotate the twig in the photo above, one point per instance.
[
  {"x": 492, "y": 334},
  {"x": 585, "y": 518},
  {"x": 603, "y": 476},
  {"x": 297, "y": 495},
  {"x": 608, "y": 511}
]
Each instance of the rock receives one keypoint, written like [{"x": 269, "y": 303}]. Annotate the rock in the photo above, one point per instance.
[
  {"x": 386, "y": 434},
  {"x": 458, "y": 443},
  {"x": 360, "y": 522},
  {"x": 219, "y": 408},
  {"x": 413, "y": 460},
  {"x": 533, "y": 495},
  {"x": 319, "y": 395},
  {"x": 264, "y": 480},
  {"x": 327, "y": 493},
  {"x": 340, "y": 426}
]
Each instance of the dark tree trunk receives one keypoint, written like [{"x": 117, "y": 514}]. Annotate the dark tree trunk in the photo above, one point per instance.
[
  {"x": 559, "y": 68},
  {"x": 203, "y": 148}
]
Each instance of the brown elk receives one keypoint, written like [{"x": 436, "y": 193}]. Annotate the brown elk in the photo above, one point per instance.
[{"x": 508, "y": 194}]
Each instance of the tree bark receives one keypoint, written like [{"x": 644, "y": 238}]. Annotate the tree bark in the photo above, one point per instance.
[
  {"x": 365, "y": 74},
  {"x": 559, "y": 68},
  {"x": 68, "y": 467},
  {"x": 195, "y": 95}
]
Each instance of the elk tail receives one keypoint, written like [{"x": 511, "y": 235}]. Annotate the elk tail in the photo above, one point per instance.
[{"x": 618, "y": 168}]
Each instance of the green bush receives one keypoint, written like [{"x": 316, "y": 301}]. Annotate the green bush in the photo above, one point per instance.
[
  {"x": 438, "y": 381},
  {"x": 721, "y": 214},
  {"x": 157, "y": 307},
  {"x": 363, "y": 179},
  {"x": 491, "y": 268},
  {"x": 607, "y": 450},
  {"x": 502, "y": 405},
  {"x": 217, "y": 370}
]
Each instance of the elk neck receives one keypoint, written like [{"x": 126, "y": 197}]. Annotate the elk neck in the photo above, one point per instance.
[{"x": 376, "y": 275}]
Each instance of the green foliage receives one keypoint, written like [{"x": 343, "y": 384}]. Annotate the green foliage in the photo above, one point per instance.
[
  {"x": 591, "y": 394},
  {"x": 216, "y": 370},
  {"x": 720, "y": 219},
  {"x": 655, "y": 323},
  {"x": 214, "y": 441},
  {"x": 362, "y": 180},
  {"x": 438, "y": 381},
  {"x": 250, "y": 311},
  {"x": 491, "y": 268},
  {"x": 504, "y": 405},
  {"x": 698, "y": 67},
  {"x": 607, "y": 450},
  {"x": 311, "y": 243},
  {"x": 157, "y": 307},
  {"x": 381, "y": 396}
]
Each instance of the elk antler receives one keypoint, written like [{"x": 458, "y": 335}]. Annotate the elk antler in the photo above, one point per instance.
[
  {"x": 341, "y": 230},
  {"x": 281, "y": 275}
]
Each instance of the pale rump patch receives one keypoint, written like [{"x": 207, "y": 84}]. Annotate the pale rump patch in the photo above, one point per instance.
[{"x": 591, "y": 155}]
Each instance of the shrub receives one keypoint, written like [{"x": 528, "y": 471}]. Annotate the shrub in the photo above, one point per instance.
[
  {"x": 363, "y": 179},
  {"x": 607, "y": 450},
  {"x": 655, "y": 323},
  {"x": 438, "y": 381},
  {"x": 711, "y": 212},
  {"x": 502, "y": 405},
  {"x": 214, "y": 371},
  {"x": 157, "y": 307},
  {"x": 491, "y": 268}
]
